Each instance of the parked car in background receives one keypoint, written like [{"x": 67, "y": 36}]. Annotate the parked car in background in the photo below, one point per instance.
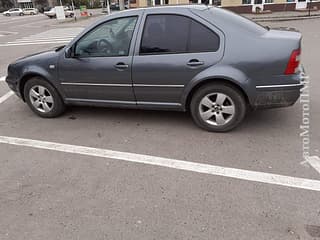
[
  {"x": 52, "y": 13},
  {"x": 30, "y": 11},
  {"x": 13, "y": 12},
  {"x": 115, "y": 6},
  {"x": 44, "y": 9},
  {"x": 205, "y": 60}
]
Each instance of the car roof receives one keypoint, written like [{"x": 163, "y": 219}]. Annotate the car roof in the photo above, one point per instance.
[
  {"x": 190, "y": 6},
  {"x": 160, "y": 9},
  {"x": 171, "y": 7}
]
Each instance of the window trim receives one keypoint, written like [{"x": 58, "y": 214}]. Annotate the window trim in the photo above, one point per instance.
[
  {"x": 188, "y": 40},
  {"x": 74, "y": 45},
  {"x": 247, "y": 4}
]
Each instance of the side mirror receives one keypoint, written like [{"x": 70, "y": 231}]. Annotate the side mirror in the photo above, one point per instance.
[{"x": 69, "y": 52}]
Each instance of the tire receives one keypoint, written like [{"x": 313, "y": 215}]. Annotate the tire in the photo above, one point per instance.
[
  {"x": 31, "y": 13},
  {"x": 43, "y": 98},
  {"x": 218, "y": 107},
  {"x": 8, "y": 14},
  {"x": 21, "y": 14}
]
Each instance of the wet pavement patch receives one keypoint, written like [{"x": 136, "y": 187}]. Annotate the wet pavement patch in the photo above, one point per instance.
[{"x": 313, "y": 231}]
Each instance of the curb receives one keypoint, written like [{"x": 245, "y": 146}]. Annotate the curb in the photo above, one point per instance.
[{"x": 282, "y": 19}]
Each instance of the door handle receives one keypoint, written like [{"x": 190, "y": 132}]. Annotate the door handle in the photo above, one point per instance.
[
  {"x": 121, "y": 66},
  {"x": 195, "y": 63}
]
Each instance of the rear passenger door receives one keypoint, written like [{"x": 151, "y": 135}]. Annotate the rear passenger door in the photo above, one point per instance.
[{"x": 170, "y": 51}]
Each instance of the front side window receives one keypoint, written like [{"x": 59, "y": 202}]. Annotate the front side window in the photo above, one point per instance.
[
  {"x": 109, "y": 39},
  {"x": 165, "y": 34}
]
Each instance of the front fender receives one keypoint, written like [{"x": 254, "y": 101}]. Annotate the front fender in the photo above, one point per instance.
[{"x": 49, "y": 75}]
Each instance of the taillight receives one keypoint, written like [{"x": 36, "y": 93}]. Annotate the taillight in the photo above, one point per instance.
[{"x": 294, "y": 61}]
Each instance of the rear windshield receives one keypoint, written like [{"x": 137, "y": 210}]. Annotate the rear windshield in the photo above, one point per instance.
[{"x": 227, "y": 17}]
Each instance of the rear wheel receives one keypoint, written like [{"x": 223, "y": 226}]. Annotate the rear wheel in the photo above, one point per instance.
[
  {"x": 43, "y": 98},
  {"x": 218, "y": 107},
  {"x": 21, "y": 14}
]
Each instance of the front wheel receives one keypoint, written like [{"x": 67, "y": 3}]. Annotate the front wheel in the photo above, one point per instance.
[
  {"x": 43, "y": 98},
  {"x": 218, "y": 107}
]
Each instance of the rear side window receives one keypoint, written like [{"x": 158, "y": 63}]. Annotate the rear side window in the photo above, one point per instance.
[
  {"x": 165, "y": 34},
  {"x": 202, "y": 39}
]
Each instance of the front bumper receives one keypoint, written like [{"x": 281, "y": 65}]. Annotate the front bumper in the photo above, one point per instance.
[
  {"x": 272, "y": 96},
  {"x": 13, "y": 85}
]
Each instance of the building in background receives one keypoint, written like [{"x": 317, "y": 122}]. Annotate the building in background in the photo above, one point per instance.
[
  {"x": 239, "y": 6},
  {"x": 25, "y": 3},
  {"x": 249, "y": 6},
  {"x": 6, "y": 4},
  {"x": 148, "y": 3}
]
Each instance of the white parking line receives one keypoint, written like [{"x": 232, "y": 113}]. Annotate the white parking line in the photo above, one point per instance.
[
  {"x": 53, "y": 36},
  {"x": 7, "y": 32},
  {"x": 262, "y": 177},
  {"x": 19, "y": 19},
  {"x": 2, "y": 78},
  {"x": 42, "y": 40},
  {"x": 314, "y": 161},
  {"x": 33, "y": 43},
  {"x": 6, "y": 96}
]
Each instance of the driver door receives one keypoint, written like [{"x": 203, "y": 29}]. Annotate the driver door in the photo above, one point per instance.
[{"x": 98, "y": 70}]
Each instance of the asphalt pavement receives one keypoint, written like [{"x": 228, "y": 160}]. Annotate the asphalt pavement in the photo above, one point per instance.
[{"x": 99, "y": 173}]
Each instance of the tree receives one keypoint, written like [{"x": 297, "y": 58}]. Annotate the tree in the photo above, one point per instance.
[{"x": 6, "y": 4}]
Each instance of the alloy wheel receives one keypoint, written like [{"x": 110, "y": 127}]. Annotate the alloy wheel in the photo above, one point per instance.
[
  {"x": 216, "y": 109},
  {"x": 41, "y": 99}
]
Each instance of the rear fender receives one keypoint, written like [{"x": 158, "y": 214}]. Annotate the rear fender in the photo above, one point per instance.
[{"x": 218, "y": 73}]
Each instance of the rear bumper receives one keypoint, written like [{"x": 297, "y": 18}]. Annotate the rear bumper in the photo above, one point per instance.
[
  {"x": 272, "y": 96},
  {"x": 277, "y": 97}
]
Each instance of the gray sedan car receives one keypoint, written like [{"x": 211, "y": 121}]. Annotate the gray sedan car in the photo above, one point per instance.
[{"x": 206, "y": 60}]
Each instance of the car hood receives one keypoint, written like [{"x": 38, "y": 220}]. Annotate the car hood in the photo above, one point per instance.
[
  {"x": 40, "y": 56},
  {"x": 48, "y": 54}
]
